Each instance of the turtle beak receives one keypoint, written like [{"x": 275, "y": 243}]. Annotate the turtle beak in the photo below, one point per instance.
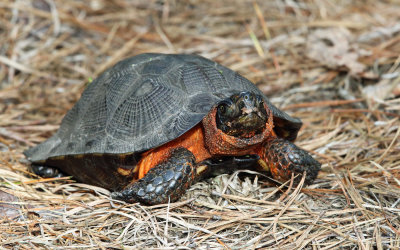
[
  {"x": 247, "y": 110},
  {"x": 252, "y": 120}
]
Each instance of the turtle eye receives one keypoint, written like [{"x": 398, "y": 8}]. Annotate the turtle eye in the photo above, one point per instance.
[
  {"x": 222, "y": 109},
  {"x": 260, "y": 101}
]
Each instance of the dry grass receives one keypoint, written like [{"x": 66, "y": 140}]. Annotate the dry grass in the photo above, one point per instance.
[{"x": 335, "y": 64}]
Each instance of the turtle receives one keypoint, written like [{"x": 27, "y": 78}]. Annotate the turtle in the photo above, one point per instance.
[{"x": 153, "y": 124}]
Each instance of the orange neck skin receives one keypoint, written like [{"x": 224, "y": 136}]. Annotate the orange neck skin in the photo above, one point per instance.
[
  {"x": 219, "y": 143},
  {"x": 205, "y": 140}
]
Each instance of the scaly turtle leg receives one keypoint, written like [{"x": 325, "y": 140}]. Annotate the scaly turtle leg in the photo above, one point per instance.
[
  {"x": 284, "y": 158},
  {"x": 46, "y": 171},
  {"x": 166, "y": 181}
]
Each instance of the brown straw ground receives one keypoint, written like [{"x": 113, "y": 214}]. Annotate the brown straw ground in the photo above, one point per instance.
[{"x": 334, "y": 64}]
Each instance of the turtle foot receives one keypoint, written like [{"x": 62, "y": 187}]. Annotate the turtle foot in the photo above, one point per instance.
[
  {"x": 285, "y": 158},
  {"x": 46, "y": 171},
  {"x": 164, "y": 182}
]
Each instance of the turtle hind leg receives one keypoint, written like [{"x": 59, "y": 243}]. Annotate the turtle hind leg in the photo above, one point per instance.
[
  {"x": 165, "y": 182},
  {"x": 284, "y": 158},
  {"x": 46, "y": 171}
]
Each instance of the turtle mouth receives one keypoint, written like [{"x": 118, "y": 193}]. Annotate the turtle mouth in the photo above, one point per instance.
[
  {"x": 242, "y": 115},
  {"x": 246, "y": 126}
]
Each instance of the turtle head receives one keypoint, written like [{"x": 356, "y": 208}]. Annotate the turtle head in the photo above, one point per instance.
[{"x": 242, "y": 115}]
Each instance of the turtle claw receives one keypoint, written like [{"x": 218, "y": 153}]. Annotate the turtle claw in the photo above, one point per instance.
[
  {"x": 165, "y": 182},
  {"x": 284, "y": 158}
]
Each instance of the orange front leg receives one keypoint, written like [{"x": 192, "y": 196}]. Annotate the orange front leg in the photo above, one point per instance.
[
  {"x": 166, "y": 181},
  {"x": 284, "y": 158}
]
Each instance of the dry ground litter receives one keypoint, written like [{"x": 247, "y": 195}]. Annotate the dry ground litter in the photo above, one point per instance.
[{"x": 334, "y": 64}]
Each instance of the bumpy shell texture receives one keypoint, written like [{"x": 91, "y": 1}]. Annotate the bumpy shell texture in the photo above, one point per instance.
[{"x": 145, "y": 101}]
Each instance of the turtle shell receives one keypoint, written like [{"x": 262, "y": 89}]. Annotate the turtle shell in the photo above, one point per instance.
[{"x": 145, "y": 101}]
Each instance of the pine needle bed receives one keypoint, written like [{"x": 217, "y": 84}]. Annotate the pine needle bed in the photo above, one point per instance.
[{"x": 334, "y": 64}]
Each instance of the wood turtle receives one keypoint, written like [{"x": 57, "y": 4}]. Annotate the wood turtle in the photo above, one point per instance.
[{"x": 153, "y": 124}]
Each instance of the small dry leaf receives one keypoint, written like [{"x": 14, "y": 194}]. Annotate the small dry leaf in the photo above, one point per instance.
[
  {"x": 381, "y": 91},
  {"x": 7, "y": 207},
  {"x": 332, "y": 47}
]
